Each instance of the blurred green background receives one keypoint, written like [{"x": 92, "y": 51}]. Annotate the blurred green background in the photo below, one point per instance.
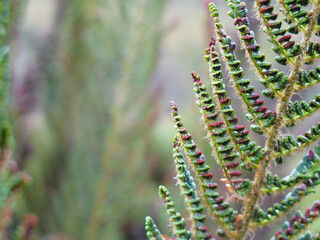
[{"x": 91, "y": 82}]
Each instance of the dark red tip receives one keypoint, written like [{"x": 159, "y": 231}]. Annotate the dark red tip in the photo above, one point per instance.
[
  {"x": 285, "y": 38},
  {"x": 289, "y": 231},
  {"x": 239, "y": 128},
  {"x": 207, "y": 175},
  {"x": 262, "y": 109},
  {"x": 307, "y": 212},
  {"x": 212, "y": 42},
  {"x": 216, "y": 124},
  {"x": 311, "y": 155},
  {"x": 264, "y": 2},
  {"x": 225, "y": 100},
  {"x": 232, "y": 165},
  {"x": 235, "y": 174},
  {"x": 288, "y": 45},
  {"x": 212, "y": 185},
  {"x": 267, "y": 9},
  {"x": 242, "y": 141},
  {"x": 219, "y": 200},
  {"x": 236, "y": 181},
  {"x": 200, "y": 161},
  {"x": 248, "y": 37},
  {"x": 278, "y": 233},
  {"x": 208, "y": 236},
  {"x": 258, "y": 103},
  {"x": 233, "y": 120},
  {"x": 186, "y": 137},
  {"x": 238, "y": 19},
  {"x": 267, "y": 114}
]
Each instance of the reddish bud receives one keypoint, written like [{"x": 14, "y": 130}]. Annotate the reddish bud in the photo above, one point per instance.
[
  {"x": 245, "y": 132},
  {"x": 212, "y": 185},
  {"x": 216, "y": 124},
  {"x": 307, "y": 212},
  {"x": 316, "y": 206},
  {"x": 289, "y": 231},
  {"x": 238, "y": 19},
  {"x": 242, "y": 141},
  {"x": 248, "y": 38},
  {"x": 288, "y": 45},
  {"x": 303, "y": 220},
  {"x": 233, "y": 120},
  {"x": 186, "y": 137},
  {"x": 239, "y": 128},
  {"x": 254, "y": 47},
  {"x": 236, "y": 181},
  {"x": 208, "y": 236},
  {"x": 219, "y": 200},
  {"x": 232, "y": 165},
  {"x": 278, "y": 233},
  {"x": 258, "y": 103},
  {"x": 264, "y": 2},
  {"x": 262, "y": 109},
  {"x": 212, "y": 42},
  {"x": 285, "y": 38},
  {"x": 267, "y": 114},
  {"x": 293, "y": 219},
  {"x": 235, "y": 174},
  {"x": 207, "y": 175},
  {"x": 311, "y": 155},
  {"x": 200, "y": 161},
  {"x": 225, "y": 100},
  {"x": 254, "y": 96},
  {"x": 182, "y": 130},
  {"x": 268, "y": 9}
]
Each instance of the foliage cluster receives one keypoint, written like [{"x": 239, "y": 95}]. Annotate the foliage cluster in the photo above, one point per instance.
[{"x": 244, "y": 163}]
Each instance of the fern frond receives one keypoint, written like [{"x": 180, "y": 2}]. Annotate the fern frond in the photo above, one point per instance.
[
  {"x": 285, "y": 48},
  {"x": 275, "y": 212},
  {"x": 218, "y": 134},
  {"x": 308, "y": 236},
  {"x": 296, "y": 16},
  {"x": 177, "y": 221},
  {"x": 273, "y": 79},
  {"x": 308, "y": 79},
  {"x": 288, "y": 145},
  {"x": 259, "y": 114},
  {"x": 313, "y": 52},
  {"x": 299, "y": 110},
  {"x": 238, "y": 134},
  {"x": 298, "y": 223},
  {"x": 153, "y": 232},
  {"x": 307, "y": 171},
  {"x": 222, "y": 148},
  {"x": 188, "y": 188},
  {"x": 230, "y": 143},
  {"x": 220, "y": 209}
]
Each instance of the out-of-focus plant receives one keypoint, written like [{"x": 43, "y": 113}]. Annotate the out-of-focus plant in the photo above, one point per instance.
[
  {"x": 89, "y": 145},
  {"x": 11, "y": 180},
  {"x": 244, "y": 163}
]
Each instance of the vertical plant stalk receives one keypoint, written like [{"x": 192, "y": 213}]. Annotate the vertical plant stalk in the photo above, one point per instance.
[{"x": 273, "y": 134}]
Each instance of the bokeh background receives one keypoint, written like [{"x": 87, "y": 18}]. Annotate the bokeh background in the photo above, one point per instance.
[{"x": 91, "y": 83}]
